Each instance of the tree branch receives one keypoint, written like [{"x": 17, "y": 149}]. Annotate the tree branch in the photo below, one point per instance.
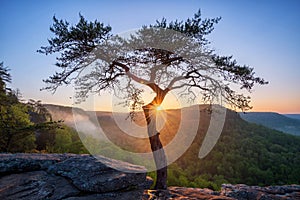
[
  {"x": 152, "y": 85},
  {"x": 168, "y": 61}
]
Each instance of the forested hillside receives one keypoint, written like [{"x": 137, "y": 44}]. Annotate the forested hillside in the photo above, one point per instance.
[
  {"x": 245, "y": 153},
  {"x": 286, "y": 124}
]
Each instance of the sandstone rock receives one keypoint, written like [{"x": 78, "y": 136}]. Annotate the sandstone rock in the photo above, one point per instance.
[
  {"x": 35, "y": 185},
  {"x": 91, "y": 175},
  {"x": 228, "y": 192},
  {"x": 126, "y": 195},
  {"x": 182, "y": 193},
  {"x": 244, "y": 192},
  {"x": 69, "y": 176},
  {"x": 22, "y": 162}
]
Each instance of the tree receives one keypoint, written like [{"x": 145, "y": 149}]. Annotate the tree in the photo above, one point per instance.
[
  {"x": 38, "y": 112},
  {"x": 15, "y": 137},
  {"x": 44, "y": 127},
  {"x": 5, "y": 78},
  {"x": 124, "y": 64}
]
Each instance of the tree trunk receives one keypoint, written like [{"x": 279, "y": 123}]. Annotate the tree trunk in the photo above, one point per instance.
[
  {"x": 156, "y": 147},
  {"x": 8, "y": 142}
]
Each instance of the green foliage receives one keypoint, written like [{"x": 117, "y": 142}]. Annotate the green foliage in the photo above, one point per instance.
[
  {"x": 14, "y": 119},
  {"x": 65, "y": 140},
  {"x": 179, "y": 177}
]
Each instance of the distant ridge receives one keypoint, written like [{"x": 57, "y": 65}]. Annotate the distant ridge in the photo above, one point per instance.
[
  {"x": 289, "y": 123},
  {"x": 285, "y": 123},
  {"x": 294, "y": 116}
]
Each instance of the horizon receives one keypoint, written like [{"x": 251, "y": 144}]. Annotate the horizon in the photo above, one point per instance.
[
  {"x": 167, "y": 109},
  {"x": 259, "y": 34}
]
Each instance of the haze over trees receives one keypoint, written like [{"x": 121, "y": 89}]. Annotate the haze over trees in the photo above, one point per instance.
[{"x": 164, "y": 57}]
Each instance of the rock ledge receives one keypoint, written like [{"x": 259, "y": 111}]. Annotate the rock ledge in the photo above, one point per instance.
[{"x": 69, "y": 176}]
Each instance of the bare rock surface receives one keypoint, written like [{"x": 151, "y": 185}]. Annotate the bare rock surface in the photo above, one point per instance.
[
  {"x": 244, "y": 192},
  {"x": 22, "y": 162},
  {"x": 228, "y": 192},
  {"x": 69, "y": 176},
  {"x": 182, "y": 193},
  {"x": 35, "y": 185}
]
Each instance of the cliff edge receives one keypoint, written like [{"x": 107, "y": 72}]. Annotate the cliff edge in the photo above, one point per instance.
[{"x": 69, "y": 177}]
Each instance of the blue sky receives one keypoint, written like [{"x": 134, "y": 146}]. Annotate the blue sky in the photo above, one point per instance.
[{"x": 262, "y": 34}]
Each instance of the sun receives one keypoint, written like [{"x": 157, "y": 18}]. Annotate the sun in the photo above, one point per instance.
[{"x": 159, "y": 108}]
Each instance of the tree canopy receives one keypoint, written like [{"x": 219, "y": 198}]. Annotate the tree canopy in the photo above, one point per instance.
[{"x": 166, "y": 55}]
